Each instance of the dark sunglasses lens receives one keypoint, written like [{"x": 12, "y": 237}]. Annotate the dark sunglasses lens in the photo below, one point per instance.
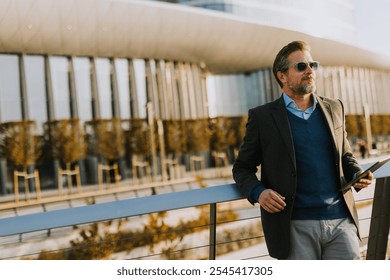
[
  {"x": 301, "y": 66},
  {"x": 314, "y": 65}
]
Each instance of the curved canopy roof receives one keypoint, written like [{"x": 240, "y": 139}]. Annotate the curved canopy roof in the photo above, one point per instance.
[{"x": 222, "y": 42}]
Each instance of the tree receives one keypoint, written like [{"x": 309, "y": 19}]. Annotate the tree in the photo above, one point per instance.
[
  {"x": 19, "y": 143},
  {"x": 106, "y": 139},
  {"x": 66, "y": 139}
]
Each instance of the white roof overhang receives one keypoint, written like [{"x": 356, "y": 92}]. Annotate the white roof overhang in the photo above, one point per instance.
[{"x": 147, "y": 29}]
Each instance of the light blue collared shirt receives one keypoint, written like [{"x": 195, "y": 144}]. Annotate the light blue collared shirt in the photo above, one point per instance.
[{"x": 292, "y": 107}]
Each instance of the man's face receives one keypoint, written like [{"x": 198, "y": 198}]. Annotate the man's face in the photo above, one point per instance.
[{"x": 299, "y": 82}]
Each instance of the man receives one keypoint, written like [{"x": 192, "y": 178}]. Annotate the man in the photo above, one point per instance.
[{"x": 299, "y": 141}]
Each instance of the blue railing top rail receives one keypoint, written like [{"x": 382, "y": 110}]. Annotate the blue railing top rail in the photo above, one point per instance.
[
  {"x": 129, "y": 207},
  {"x": 118, "y": 209}
]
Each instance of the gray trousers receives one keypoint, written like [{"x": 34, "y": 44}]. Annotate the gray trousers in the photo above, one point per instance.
[{"x": 324, "y": 240}]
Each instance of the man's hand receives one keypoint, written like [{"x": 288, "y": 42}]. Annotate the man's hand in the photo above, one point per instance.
[
  {"x": 271, "y": 201},
  {"x": 364, "y": 182}
]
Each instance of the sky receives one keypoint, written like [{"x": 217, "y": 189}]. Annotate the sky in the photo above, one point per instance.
[{"x": 373, "y": 23}]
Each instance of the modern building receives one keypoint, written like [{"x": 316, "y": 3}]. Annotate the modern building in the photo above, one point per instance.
[{"x": 170, "y": 60}]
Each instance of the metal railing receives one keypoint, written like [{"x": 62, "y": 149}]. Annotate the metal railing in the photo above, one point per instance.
[{"x": 377, "y": 239}]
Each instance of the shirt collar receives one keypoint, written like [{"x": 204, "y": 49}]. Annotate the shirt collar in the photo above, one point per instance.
[{"x": 289, "y": 103}]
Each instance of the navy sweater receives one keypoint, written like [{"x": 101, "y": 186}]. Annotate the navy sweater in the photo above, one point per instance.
[{"x": 317, "y": 196}]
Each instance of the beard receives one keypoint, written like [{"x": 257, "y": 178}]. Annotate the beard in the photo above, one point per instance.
[{"x": 303, "y": 89}]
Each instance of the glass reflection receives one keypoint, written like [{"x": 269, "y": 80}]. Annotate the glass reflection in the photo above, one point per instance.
[
  {"x": 36, "y": 89},
  {"x": 83, "y": 88},
  {"x": 122, "y": 79},
  {"x": 103, "y": 73},
  {"x": 60, "y": 82},
  {"x": 10, "y": 97}
]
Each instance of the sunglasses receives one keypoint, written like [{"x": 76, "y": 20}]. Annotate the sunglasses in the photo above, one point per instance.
[{"x": 302, "y": 66}]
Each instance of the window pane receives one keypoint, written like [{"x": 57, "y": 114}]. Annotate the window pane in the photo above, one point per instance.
[
  {"x": 140, "y": 83},
  {"x": 122, "y": 73},
  {"x": 104, "y": 87},
  {"x": 60, "y": 81},
  {"x": 36, "y": 89},
  {"x": 10, "y": 99},
  {"x": 83, "y": 88}
]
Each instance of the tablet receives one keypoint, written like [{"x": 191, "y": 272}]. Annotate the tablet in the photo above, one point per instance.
[{"x": 372, "y": 168}]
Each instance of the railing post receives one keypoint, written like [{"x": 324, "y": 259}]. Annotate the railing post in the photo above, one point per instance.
[
  {"x": 213, "y": 231},
  {"x": 380, "y": 221}
]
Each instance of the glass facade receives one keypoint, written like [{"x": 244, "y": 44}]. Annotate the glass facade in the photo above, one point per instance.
[
  {"x": 356, "y": 87},
  {"x": 36, "y": 89},
  {"x": 86, "y": 88},
  {"x": 10, "y": 91},
  {"x": 49, "y": 88},
  {"x": 45, "y": 89},
  {"x": 82, "y": 74},
  {"x": 59, "y": 75}
]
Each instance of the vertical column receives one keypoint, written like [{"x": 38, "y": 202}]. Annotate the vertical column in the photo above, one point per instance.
[
  {"x": 3, "y": 166},
  {"x": 262, "y": 94},
  {"x": 359, "y": 88},
  {"x": 172, "y": 85},
  {"x": 92, "y": 161},
  {"x": 182, "y": 91},
  {"x": 335, "y": 83},
  {"x": 114, "y": 90},
  {"x": 49, "y": 90},
  {"x": 116, "y": 110},
  {"x": 23, "y": 88},
  {"x": 151, "y": 119},
  {"x": 380, "y": 221},
  {"x": 191, "y": 91},
  {"x": 74, "y": 112},
  {"x": 162, "y": 90},
  {"x": 213, "y": 231},
  {"x": 3, "y": 176},
  {"x": 367, "y": 119},
  {"x": 268, "y": 85},
  {"x": 95, "y": 90},
  {"x": 151, "y": 86},
  {"x": 383, "y": 95},
  {"x": 72, "y": 89},
  {"x": 205, "y": 102},
  {"x": 50, "y": 112},
  {"x": 355, "y": 92},
  {"x": 369, "y": 90},
  {"x": 344, "y": 89},
  {"x": 169, "y": 95},
  {"x": 134, "y": 109},
  {"x": 351, "y": 92}
]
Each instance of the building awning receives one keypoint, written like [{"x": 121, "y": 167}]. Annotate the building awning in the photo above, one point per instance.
[{"x": 222, "y": 42}]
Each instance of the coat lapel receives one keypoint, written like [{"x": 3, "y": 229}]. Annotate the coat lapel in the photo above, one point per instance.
[
  {"x": 328, "y": 113},
  {"x": 279, "y": 114}
]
